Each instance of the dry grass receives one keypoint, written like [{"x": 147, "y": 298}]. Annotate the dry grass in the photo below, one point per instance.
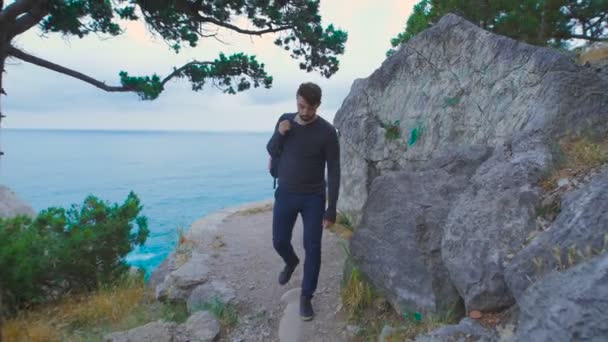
[
  {"x": 23, "y": 330},
  {"x": 345, "y": 221},
  {"x": 576, "y": 157},
  {"x": 356, "y": 294},
  {"x": 87, "y": 317},
  {"x": 594, "y": 55},
  {"x": 255, "y": 210},
  {"x": 343, "y": 232},
  {"x": 343, "y": 227},
  {"x": 375, "y": 318},
  {"x": 183, "y": 251},
  {"x": 226, "y": 314},
  {"x": 367, "y": 309},
  {"x": 565, "y": 258}
]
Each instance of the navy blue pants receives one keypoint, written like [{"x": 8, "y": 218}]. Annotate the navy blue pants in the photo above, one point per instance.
[{"x": 311, "y": 207}]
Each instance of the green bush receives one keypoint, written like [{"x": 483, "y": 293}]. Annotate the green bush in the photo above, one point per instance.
[{"x": 60, "y": 251}]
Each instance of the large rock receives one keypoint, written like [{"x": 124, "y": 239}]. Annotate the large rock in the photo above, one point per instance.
[
  {"x": 208, "y": 293},
  {"x": 567, "y": 306},
  {"x": 579, "y": 231},
  {"x": 179, "y": 283},
  {"x": 159, "y": 275},
  {"x": 398, "y": 242},
  {"x": 200, "y": 327},
  {"x": 155, "y": 331},
  {"x": 493, "y": 217},
  {"x": 11, "y": 205},
  {"x": 456, "y": 84},
  {"x": 467, "y": 330}
]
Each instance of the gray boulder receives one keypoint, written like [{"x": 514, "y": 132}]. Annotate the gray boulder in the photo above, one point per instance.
[
  {"x": 179, "y": 283},
  {"x": 567, "y": 306},
  {"x": 455, "y": 84},
  {"x": 155, "y": 331},
  {"x": 12, "y": 205},
  {"x": 208, "y": 292},
  {"x": 200, "y": 327},
  {"x": 579, "y": 232},
  {"x": 398, "y": 242},
  {"x": 451, "y": 86},
  {"x": 159, "y": 275},
  {"x": 490, "y": 219}
]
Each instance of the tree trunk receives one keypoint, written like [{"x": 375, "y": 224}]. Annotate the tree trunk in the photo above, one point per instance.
[
  {"x": 2, "y": 59},
  {"x": 3, "y": 55},
  {"x": 3, "y": 46}
]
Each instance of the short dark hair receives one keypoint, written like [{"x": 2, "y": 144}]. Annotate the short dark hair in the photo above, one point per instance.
[{"x": 310, "y": 92}]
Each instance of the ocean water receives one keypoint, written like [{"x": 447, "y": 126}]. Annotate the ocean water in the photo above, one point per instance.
[{"x": 178, "y": 176}]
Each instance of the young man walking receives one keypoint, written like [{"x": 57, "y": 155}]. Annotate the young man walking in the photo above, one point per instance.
[{"x": 304, "y": 144}]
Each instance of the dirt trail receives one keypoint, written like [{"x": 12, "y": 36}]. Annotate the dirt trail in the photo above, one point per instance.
[{"x": 244, "y": 258}]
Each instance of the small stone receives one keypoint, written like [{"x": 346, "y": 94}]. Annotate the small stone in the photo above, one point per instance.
[
  {"x": 201, "y": 327},
  {"x": 475, "y": 314},
  {"x": 386, "y": 333},
  {"x": 562, "y": 182},
  {"x": 353, "y": 330}
]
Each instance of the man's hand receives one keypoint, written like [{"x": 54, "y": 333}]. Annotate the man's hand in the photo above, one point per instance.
[
  {"x": 284, "y": 127},
  {"x": 327, "y": 224}
]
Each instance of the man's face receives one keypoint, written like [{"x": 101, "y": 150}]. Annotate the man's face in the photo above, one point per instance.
[{"x": 305, "y": 110}]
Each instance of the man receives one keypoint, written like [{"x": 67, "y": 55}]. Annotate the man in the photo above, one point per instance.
[{"x": 304, "y": 143}]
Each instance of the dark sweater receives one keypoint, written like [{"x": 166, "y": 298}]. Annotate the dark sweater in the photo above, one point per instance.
[{"x": 304, "y": 151}]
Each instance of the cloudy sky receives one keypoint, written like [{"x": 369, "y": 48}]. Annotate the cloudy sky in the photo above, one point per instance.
[{"x": 40, "y": 98}]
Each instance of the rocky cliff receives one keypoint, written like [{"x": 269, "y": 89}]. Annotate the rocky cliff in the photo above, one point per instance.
[
  {"x": 444, "y": 150},
  {"x": 12, "y": 205}
]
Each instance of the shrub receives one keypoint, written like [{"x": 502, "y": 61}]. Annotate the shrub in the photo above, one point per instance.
[{"x": 60, "y": 251}]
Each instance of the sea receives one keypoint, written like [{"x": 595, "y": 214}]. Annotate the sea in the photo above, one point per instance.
[{"x": 178, "y": 176}]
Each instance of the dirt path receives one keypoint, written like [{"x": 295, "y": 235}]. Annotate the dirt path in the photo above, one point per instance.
[{"x": 245, "y": 259}]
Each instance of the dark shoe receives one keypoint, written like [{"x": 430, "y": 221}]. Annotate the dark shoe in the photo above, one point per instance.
[
  {"x": 286, "y": 273},
  {"x": 306, "y": 312}
]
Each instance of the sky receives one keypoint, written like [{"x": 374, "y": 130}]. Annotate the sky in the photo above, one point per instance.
[{"x": 42, "y": 99}]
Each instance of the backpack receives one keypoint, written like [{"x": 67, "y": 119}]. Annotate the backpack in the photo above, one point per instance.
[
  {"x": 273, "y": 163},
  {"x": 273, "y": 168}
]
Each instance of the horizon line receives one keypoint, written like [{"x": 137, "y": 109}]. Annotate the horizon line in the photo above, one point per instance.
[{"x": 129, "y": 130}]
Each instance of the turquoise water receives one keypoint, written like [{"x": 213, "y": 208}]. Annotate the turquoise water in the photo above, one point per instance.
[{"x": 179, "y": 176}]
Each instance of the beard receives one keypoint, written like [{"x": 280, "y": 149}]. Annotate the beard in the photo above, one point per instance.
[{"x": 306, "y": 118}]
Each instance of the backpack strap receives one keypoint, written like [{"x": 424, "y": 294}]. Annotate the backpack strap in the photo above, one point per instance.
[{"x": 286, "y": 116}]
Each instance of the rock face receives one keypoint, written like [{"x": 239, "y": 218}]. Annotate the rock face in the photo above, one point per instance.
[
  {"x": 456, "y": 84},
  {"x": 491, "y": 218},
  {"x": 11, "y": 205},
  {"x": 567, "y": 306},
  {"x": 579, "y": 232},
  {"x": 401, "y": 230},
  {"x": 453, "y": 87}
]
